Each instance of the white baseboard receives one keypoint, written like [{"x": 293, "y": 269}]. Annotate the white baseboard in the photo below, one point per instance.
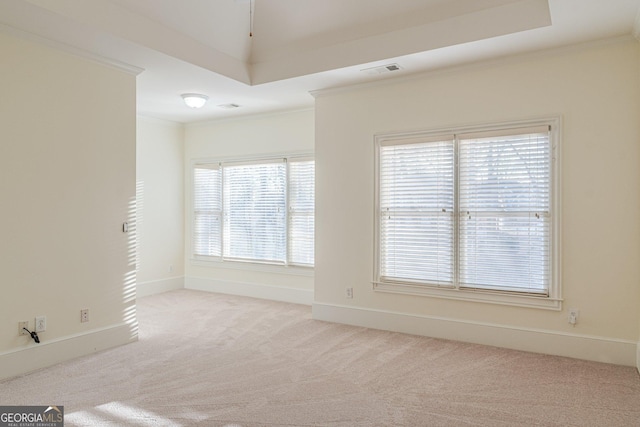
[
  {"x": 48, "y": 353},
  {"x": 153, "y": 287},
  {"x": 599, "y": 349},
  {"x": 270, "y": 292}
]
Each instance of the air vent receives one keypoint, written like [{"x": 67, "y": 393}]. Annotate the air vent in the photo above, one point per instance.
[
  {"x": 229, "y": 106},
  {"x": 382, "y": 69}
]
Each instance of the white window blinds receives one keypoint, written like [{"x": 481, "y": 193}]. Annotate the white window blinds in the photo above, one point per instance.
[
  {"x": 207, "y": 227},
  {"x": 254, "y": 212},
  {"x": 467, "y": 211},
  {"x": 301, "y": 212},
  {"x": 504, "y": 195},
  {"x": 416, "y": 212}
]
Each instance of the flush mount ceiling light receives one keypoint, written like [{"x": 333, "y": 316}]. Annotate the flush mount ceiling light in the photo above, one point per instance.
[{"x": 194, "y": 100}]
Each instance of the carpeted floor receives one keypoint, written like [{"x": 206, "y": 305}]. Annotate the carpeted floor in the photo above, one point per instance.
[{"x": 217, "y": 360}]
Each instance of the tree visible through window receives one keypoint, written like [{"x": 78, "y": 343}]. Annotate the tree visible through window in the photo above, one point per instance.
[
  {"x": 467, "y": 210},
  {"x": 254, "y": 212},
  {"x": 258, "y": 211}
]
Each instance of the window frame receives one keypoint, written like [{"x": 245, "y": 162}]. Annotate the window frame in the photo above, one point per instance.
[
  {"x": 291, "y": 212},
  {"x": 236, "y": 263},
  {"x": 552, "y": 301}
]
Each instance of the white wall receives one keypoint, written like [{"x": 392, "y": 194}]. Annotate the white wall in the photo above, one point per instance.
[
  {"x": 596, "y": 90},
  {"x": 67, "y": 184},
  {"x": 160, "y": 205},
  {"x": 266, "y": 135}
]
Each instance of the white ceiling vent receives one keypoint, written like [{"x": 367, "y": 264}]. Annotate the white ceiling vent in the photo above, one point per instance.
[
  {"x": 382, "y": 69},
  {"x": 229, "y": 106}
]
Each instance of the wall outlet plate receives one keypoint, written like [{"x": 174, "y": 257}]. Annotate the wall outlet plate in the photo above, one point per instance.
[
  {"x": 574, "y": 313},
  {"x": 21, "y": 326},
  {"x": 41, "y": 323},
  {"x": 84, "y": 315}
]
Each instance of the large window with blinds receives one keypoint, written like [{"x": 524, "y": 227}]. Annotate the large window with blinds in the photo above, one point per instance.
[
  {"x": 255, "y": 211},
  {"x": 470, "y": 213}
]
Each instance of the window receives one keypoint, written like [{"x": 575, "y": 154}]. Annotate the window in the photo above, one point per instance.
[
  {"x": 469, "y": 214},
  {"x": 301, "y": 212},
  {"x": 255, "y": 211}
]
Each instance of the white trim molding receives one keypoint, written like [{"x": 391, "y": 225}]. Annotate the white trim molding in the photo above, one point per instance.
[
  {"x": 478, "y": 65},
  {"x": 153, "y": 287},
  {"x": 254, "y": 290},
  {"x": 638, "y": 357},
  {"x": 48, "y": 353},
  {"x": 265, "y": 115},
  {"x": 587, "y": 347},
  {"x": 528, "y": 301},
  {"x": 210, "y": 262},
  {"x": 73, "y": 50}
]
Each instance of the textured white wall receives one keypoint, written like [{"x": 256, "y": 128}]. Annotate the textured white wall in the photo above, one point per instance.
[
  {"x": 160, "y": 191},
  {"x": 595, "y": 89},
  {"x": 67, "y": 184},
  {"x": 258, "y": 136}
]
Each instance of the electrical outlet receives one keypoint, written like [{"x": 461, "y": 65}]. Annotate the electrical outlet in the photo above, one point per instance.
[
  {"x": 21, "y": 326},
  {"x": 41, "y": 323},
  {"x": 84, "y": 315},
  {"x": 349, "y": 292},
  {"x": 573, "y": 316}
]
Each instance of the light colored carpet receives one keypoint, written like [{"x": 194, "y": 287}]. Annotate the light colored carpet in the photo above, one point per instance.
[{"x": 217, "y": 360}]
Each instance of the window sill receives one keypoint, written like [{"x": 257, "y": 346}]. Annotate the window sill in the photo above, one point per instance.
[
  {"x": 501, "y": 298},
  {"x": 252, "y": 266}
]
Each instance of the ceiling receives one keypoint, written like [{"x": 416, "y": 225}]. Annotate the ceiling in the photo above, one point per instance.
[{"x": 299, "y": 46}]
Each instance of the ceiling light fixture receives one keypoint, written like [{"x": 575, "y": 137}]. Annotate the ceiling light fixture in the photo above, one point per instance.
[{"x": 194, "y": 100}]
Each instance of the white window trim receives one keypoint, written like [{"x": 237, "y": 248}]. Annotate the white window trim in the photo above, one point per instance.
[
  {"x": 551, "y": 302},
  {"x": 295, "y": 270},
  {"x": 236, "y": 264}
]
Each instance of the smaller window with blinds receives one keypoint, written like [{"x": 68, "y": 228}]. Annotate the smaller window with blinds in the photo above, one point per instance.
[
  {"x": 470, "y": 213},
  {"x": 257, "y": 211}
]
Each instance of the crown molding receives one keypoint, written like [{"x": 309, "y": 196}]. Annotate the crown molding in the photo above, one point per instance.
[
  {"x": 254, "y": 116},
  {"x": 64, "y": 47},
  {"x": 502, "y": 60},
  {"x": 157, "y": 121}
]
